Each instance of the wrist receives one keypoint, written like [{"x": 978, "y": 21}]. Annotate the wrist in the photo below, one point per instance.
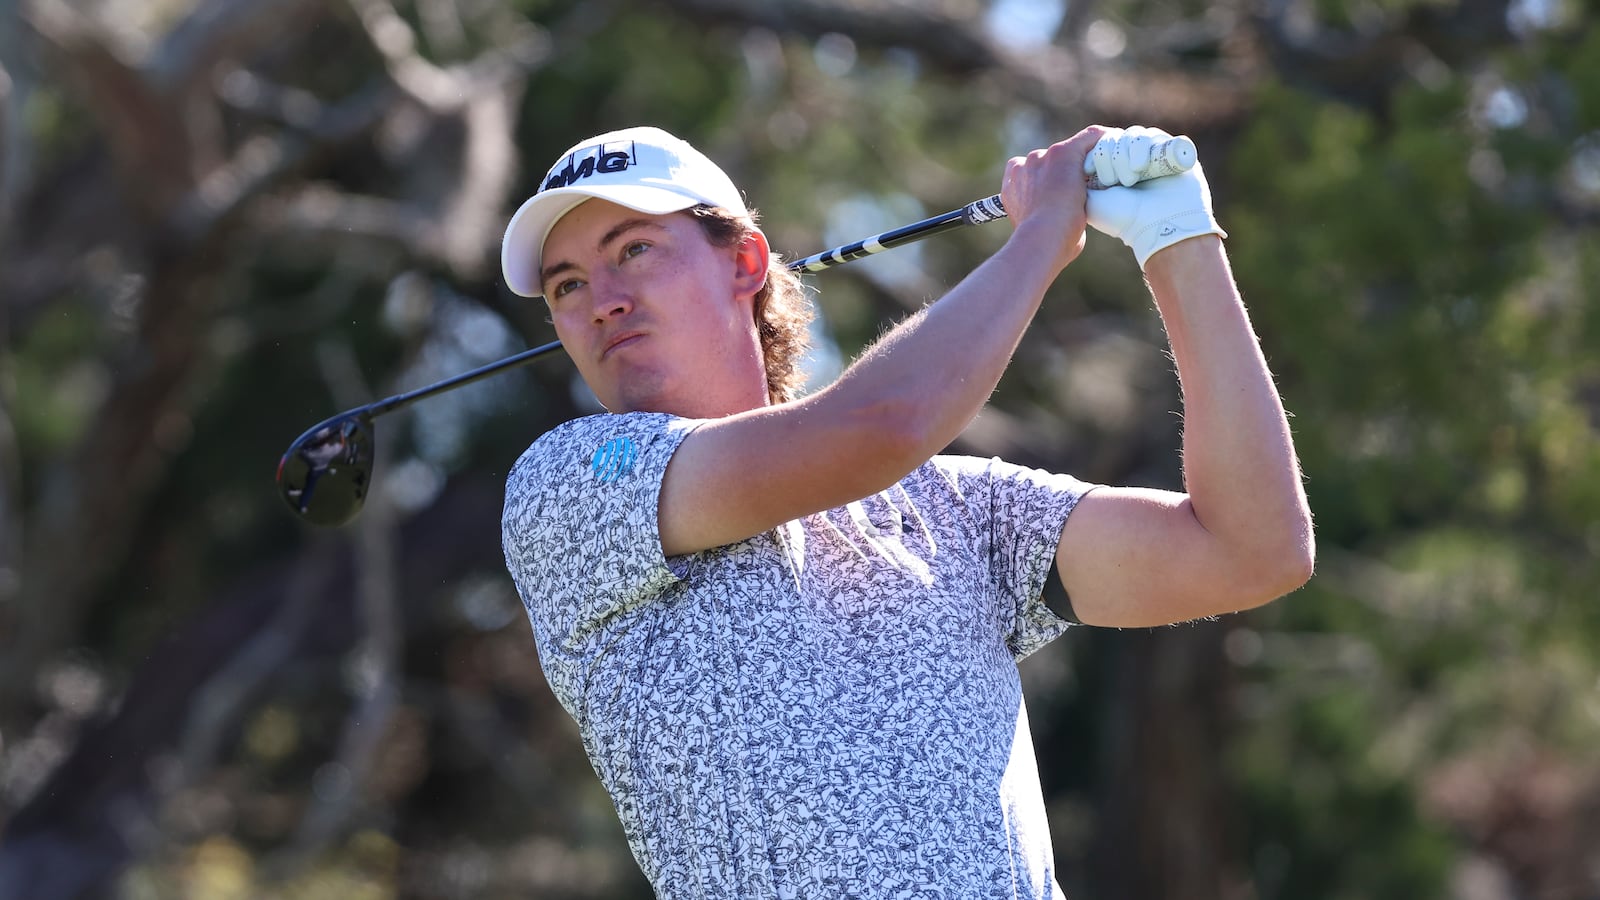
[
  {"x": 1172, "y": 231},
  {"x": 1042, "y": 244},
  {"x": 1180, "y": 262}
]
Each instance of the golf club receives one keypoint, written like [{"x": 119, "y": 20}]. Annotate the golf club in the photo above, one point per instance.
[{"x": 325, "y": 474}]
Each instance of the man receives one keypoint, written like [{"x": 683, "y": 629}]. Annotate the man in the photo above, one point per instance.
[{"x": 787, "y": 630}]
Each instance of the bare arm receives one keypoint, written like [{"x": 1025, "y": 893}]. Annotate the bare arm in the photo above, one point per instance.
[
  {"x": 902, "y": 401},
  {"x": 1241, "y": 535}
]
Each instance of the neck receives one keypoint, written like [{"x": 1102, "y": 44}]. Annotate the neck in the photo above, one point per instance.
[{"x": 703, "y": 401}]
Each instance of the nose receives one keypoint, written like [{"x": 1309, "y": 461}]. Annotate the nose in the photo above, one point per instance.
[{"x": 610, "y": 294}]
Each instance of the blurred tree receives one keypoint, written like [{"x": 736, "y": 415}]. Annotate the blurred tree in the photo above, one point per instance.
[{"x": 220, "y": 221}]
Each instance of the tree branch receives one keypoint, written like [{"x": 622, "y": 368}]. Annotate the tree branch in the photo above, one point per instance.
[
  {"x": 217, "y": 31},
  {"x": 1072, "y": 90},
  {"x": 267, "y": 162},
  {"x": 442, "y": 89},
  {"x": 142, "y": 128}
]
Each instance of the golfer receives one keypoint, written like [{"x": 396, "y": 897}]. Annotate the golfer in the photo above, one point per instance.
[{"x": 788, "y": 630}]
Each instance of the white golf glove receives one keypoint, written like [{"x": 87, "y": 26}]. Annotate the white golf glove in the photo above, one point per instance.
[{"x": 1147, "y": 215}]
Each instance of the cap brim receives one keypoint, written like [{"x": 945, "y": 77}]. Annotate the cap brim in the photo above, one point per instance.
[{"x": 523, "y": 245}]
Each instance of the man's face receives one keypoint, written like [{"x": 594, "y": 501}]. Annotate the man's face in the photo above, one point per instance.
[{"x": 655, "y": 316}]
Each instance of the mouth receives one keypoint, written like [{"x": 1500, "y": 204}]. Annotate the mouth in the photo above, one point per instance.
[{"x": 621, "y": 340}]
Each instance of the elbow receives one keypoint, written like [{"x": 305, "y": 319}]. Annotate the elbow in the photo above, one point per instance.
[
  {"x": 1292, "y": 574},
  {"x": 1281, "y": 566},
  {"x": 1300, "y": 552},
  {"x": 1305, "y": 558}
]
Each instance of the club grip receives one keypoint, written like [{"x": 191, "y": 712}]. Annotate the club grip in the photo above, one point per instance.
[
  {"x": 986, "y": 210},
  {"x": 1170, "y": 157}
]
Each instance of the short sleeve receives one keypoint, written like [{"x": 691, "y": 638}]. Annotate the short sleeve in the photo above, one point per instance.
[
  {"x": 1023, "y": 511},
  {"x": 581, "y": 537}
]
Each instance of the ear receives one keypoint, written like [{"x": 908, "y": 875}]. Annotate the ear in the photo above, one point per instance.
[{"x": 750, "y": 261}]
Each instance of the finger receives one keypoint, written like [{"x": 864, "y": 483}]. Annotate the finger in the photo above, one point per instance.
[
  {"x": 1091, "y": 167},
  {"x": 1092, "y": 134},
  {"x": 1126, "y": 174},
  {"x": 1104, "y": 156},
  {"x": 1085, "y": 141},
  {"x": 1012, "y": 173},
  {"x": 1138, "y": 148}
]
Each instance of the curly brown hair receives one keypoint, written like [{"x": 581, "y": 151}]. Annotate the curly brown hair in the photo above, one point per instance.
[{"x": 783, "y": 312}]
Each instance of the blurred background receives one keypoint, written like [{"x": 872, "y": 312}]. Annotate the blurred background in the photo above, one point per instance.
[{"x": 222, "y": 221}]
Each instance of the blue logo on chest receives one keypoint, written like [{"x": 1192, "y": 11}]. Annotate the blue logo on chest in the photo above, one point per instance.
[{"x": 614, "y": 459}]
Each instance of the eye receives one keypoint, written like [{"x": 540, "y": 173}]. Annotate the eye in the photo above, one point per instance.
[
  {"x": 634, "y": 248},
  {"x": 565, "y": 286}
]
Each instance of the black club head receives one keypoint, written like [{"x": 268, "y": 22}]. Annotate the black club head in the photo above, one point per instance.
[{"x": 325, "y": 473}]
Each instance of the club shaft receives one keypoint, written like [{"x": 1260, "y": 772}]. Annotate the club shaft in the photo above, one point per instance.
[{"x": 401, "y": 401}]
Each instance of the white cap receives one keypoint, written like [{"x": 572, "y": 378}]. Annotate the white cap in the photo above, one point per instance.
[{"x": 643, "y": 168}]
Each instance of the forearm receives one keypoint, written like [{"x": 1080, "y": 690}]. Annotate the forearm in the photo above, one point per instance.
[
  {"x": 1240, "y": 469},
  {"x": 925, "y": 380}
]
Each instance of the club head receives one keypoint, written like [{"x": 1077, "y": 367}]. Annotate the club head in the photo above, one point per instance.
[{"x": 324, "y": 474}]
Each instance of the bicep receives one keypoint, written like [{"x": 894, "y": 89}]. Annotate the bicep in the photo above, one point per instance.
[{"x": 1136, "y": 557}]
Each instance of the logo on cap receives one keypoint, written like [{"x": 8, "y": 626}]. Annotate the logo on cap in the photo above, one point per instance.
[{"x": 605, "y": 159}]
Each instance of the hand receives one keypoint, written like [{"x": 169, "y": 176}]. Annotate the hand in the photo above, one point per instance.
[
  {"x": 1150, "y": 215},
  {"x": 1044, "y": 191}
]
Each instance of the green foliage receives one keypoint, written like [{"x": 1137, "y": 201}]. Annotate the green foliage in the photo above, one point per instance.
[
  {"x": 58, "y": 382},
  {"x": 1422, "y": 274},
  {"x": 1427, "y": 318},
  {"x": 1400, "y": 345}
]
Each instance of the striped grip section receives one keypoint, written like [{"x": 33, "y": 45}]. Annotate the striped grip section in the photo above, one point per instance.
[
  {"x": 878, "y": 243},
  {"x": 830, "y": 258},
  {"x": 986, "y": 210}
]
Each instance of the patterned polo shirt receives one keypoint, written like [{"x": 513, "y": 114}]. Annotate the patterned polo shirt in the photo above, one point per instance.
[{"x": 828, "y": 709}]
